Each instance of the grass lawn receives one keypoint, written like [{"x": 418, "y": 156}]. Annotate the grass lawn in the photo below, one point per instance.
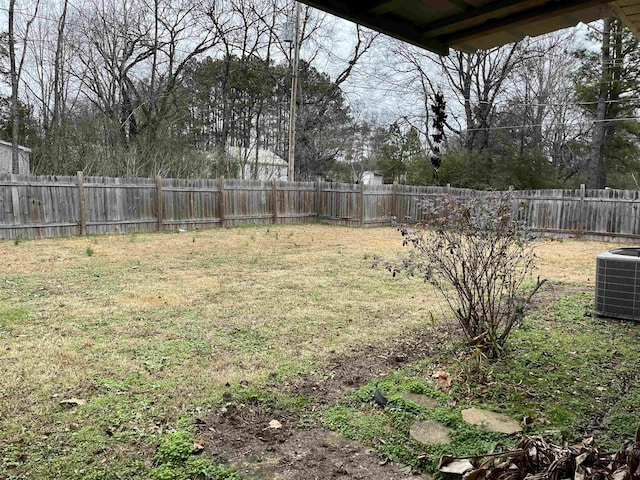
[{"x": 109, "y": 344}]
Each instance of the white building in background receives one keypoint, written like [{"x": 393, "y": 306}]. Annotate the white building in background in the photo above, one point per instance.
[
  {"x": 371, "y": 178},
  {"x": 267, "y": 165},
  {"x": 5, "y": 158}
]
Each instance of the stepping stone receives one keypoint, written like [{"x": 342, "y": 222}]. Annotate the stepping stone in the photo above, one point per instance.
[
  {"x": 419, "y": 399},
  {"x": 455, "y": 466},
  {"x": 494, "y": 422},
  {"x": 429, "y": 433}
]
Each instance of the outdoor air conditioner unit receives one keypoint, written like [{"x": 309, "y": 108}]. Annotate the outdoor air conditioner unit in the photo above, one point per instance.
[{"x": 618, "y": 283}]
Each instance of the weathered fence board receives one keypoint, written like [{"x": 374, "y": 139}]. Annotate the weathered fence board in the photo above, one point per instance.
[
  {"x": 296, "y": 202},
  {"x": 119, "y": 205},
  {"x": 188, "y": 204},
  {"x": 339, "y": 203},
  {"x": 377, "y": 204},
  {"x": 54, "y": 206},
  {"x": 36, "y": 206}
]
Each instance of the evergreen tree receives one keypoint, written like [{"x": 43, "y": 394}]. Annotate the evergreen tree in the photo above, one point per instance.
[
  {"x": 401, "y": 156},
  {"x": 608, "y": 85}
]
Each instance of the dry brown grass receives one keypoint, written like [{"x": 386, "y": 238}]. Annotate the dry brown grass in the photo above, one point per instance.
[
  {"x": 570, "y": 261},
  {"x": 149, "y": 326}
]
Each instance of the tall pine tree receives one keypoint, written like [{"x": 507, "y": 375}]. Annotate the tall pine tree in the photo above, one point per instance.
[{"x": 608, "y": 85}]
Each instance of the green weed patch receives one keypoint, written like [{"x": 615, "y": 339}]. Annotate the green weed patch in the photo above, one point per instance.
[{"x": 566, "y": 375}]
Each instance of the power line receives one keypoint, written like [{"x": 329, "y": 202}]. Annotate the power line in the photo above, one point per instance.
[
  {"x": 558, "y": 124},
  {"x": 504, "y": 103}
]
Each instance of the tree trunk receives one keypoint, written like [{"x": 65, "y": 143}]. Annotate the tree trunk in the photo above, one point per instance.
[
  {"x": 58, "y": 73},
  {"x": 595, "y": 174},
  {"x": 151, "y": 123},
  {"x": 466, "y": 93},
  {"x": 15, "y": 119}
]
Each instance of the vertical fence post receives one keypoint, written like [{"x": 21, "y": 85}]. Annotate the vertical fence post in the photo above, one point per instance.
[
  {"x": 15, "y": 200},
  {"x": 274, "y": 193},
  {"x": 82, "y": 204},
  {"x": 318, "y": 199},
  {"x": 581, "y": 216},
  {"x": 159, "y": 203},
  {"x": 394, "y": 199},
  {"x": 221, "y": 202},
  {"x": 361, "y": 204}
]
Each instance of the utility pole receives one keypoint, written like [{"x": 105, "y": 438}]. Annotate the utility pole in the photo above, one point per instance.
[{"x": 294, "y": 92}]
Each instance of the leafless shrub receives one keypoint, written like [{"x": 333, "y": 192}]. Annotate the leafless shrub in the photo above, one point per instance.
[{"x": 478, "y": 258}]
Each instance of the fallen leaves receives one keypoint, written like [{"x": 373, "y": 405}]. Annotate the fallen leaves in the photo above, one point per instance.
[
  {"x": 534, "y": 458},
  {"x": 72, "y": 402},
  {"x": 443, "y": 379},
  {"x": 198, "y": 446}
]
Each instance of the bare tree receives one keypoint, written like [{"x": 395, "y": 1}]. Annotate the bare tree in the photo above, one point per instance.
[
  {"x": 472, "y": 84},
  {"x": 16, "y": 65},
  {"x": 316, "y": 151},
  {"x": 614, "y": 54},
  {"x": 540, "y": 110},
  {"x": 47, "y": 83},
  {"x": 478, "y": 79},
  {"x": 415, "y": 71},
  {"x": 134, "y": 55},
  {"x": 108, "y": 80}
]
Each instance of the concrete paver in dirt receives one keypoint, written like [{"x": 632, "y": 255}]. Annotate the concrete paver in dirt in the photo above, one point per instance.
[
  {"x": 429, "y": 433},
  {"x": 494, "y": 422},
  {"x": 418, "y": 399}
]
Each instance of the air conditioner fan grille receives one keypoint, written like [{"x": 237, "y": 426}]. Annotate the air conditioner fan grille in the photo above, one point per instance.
[{"x": 618, "y": 284}]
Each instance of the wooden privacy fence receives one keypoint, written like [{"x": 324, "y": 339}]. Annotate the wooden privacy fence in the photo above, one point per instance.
[{"x": 55, "y": 206}]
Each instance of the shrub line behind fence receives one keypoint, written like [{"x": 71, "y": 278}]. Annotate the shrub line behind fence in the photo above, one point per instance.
[{"x": 59, "y": 206}]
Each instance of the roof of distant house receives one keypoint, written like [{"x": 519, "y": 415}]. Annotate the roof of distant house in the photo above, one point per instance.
[
  {"x": 9, "y": 144},
  {"x": 265, "y": 157}
]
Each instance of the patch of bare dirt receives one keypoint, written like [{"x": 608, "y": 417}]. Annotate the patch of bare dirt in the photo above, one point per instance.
[
  {"x": 552, "y": 292},
  {"x": 334, "y": 381},
  {"x": 242, "y": 434}
]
